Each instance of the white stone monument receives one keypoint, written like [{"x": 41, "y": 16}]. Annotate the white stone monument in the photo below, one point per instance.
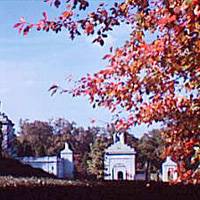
[
  {"x": 169, "y": 170},
  {"x": 119, "y": 160},
  {"x": 67, "y": 156},
  {"x": 8, "y": 134},
  {"x": 61, "y": 166}
]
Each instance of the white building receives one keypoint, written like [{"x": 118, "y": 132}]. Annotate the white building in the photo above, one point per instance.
[
  {"x": 119, "y": 160},
  {"x": 61, "y": 166},
  {"x": 8, "y": 133},
  {"x": 169, "y": 170}
]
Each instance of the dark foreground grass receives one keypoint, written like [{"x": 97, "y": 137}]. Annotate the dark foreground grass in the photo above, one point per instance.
[{"x": 52, "y": 189}]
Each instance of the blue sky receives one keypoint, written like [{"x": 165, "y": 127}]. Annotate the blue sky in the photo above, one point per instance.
[{"x": 29, "y": 65}]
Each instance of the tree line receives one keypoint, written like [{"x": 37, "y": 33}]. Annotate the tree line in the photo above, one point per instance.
[{"x": 40, "y": 138}]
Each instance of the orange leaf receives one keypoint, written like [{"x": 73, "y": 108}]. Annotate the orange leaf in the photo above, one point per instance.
[{"x": 66, "y": 14}]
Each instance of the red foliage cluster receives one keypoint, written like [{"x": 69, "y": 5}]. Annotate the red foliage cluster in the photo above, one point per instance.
[{"x": 153, "y": 82}]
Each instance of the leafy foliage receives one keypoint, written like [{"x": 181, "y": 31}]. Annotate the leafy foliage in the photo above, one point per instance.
[
  {"x": 156, "y": 81},
  {"x": 34, "y": 138},
  {"x": 149, "y": 150},
  {"x": 96, "y": 157}
]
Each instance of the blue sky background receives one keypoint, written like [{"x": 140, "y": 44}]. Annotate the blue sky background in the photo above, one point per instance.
[{"x": 29, "y": 65}]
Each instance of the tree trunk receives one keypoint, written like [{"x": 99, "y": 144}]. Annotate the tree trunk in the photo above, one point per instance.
[{"x": 147, "y": 170}]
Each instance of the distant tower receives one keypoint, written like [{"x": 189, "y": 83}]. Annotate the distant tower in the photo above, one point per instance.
[
  {"x": 68, "y": 167},
  {"x": 118, "y": 137},
  {"x": 8, "y": 134}
]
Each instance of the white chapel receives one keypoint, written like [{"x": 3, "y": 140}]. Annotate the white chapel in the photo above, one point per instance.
[
  {"x": 169, "y": 170},
  {"x": 119, "y": 160}
]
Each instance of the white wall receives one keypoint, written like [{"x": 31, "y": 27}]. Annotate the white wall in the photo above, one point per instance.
[
  {"x": 68, "y": 166},
  {"x": 169, "y": 173},
  {"x": 115, "y": 163},
  {"x": 62, "y": 167},
  {"x": 47, "y": 163},
  {"x": 169, "y": 170}
]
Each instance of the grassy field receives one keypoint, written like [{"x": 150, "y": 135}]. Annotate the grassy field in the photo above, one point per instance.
[
  {"x": 54, "y": 189},
  {"x": 13, "y": 187}
]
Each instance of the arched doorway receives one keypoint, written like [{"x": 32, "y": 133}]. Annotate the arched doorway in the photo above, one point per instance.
[
  {"x": 119, "y": 172},
  {"x": 120, "y": 175},
  {"x": 170, "y": 174}
]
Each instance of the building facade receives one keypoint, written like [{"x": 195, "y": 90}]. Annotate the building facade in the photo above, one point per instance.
[
  {"x": 169, "y": 170},
  {"x": 8, "y": 134},
  {"x": 61, "y": 166},
  {"x": 119, "y": 160}
]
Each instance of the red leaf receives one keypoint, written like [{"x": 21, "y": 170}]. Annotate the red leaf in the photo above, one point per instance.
[
  {"x": 45, "y": 16},
  {"x": 107, "y": 56},
  {"x": 54, "y": 86},
  {"x": 172, "y": 18},
  {"x": 53, "y": 92},
  {"x": 26, "y": 30},
  {"x": 20, "y": 29},
  {"x": 89, "y": 28},
  {"x": 17, "y": 25}
]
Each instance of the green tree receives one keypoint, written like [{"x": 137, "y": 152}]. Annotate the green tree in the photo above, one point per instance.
[
  {"x": 24, "y": 148},
  {"x": 36, "y": 136},
  {"x": 96, "y": 158},
  {"x": 150, "y": 149}
]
